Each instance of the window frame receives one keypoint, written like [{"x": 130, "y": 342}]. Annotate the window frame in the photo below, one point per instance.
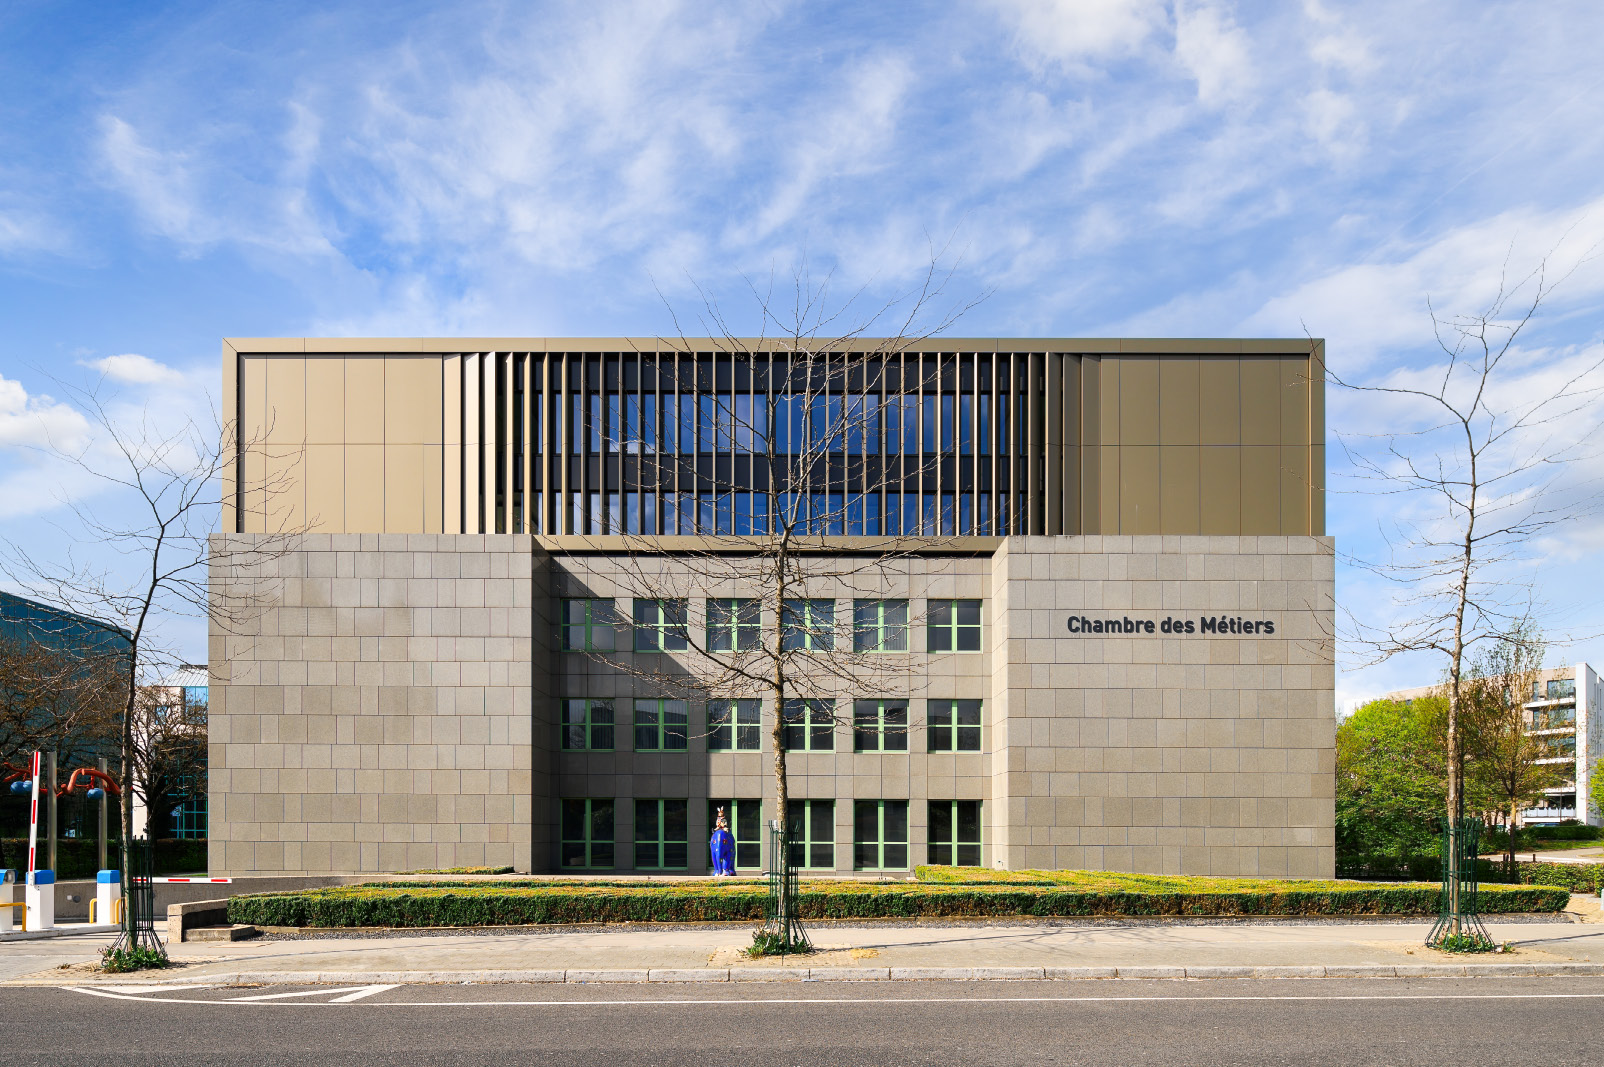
[
  {"x": 588, "y": 724},
  {"x": 880, "y": 844},
  {"x": 870, "y": 722},
  {"x": 736, "y": 807},
  {"x": 586, "y": 841},
  {"x": 805, "y": 841},
  {"x": 655, "y": 711},
  {"x": 952, "y": 842},
  {"x": 936, "y": 626},
  {"x": 935, "y": 729},
  {"x": 873, "y": 631},
  {"x": 606, "y": 619},
  {"x": 740, "y": 630},
  {"x": 816, "y": 721},
  {"x": 655, "y": 630},
  {"x": 813, "y": 631},
  {"x": 737, "y": 725},
  {"x": 662, "y": 843}
]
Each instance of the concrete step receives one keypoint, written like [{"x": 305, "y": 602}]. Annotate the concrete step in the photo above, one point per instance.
[{"x": 227, "y": 932}]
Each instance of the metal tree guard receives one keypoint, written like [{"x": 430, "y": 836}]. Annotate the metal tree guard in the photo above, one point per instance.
[
  {"x": 139, "y": 903},
  {"x": 780, "y": 921},
  {"x": 1457, "y": 911}
]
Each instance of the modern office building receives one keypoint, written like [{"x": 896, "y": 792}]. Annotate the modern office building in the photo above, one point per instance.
[{"x": 1103, "y": 625}]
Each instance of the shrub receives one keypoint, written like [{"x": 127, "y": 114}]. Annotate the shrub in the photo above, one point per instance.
[
  {"x": 122, "y": 960},
  {"x": 434, "y": 905}
]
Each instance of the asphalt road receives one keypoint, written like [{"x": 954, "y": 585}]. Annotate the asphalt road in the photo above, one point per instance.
[{"x": 1466, "y": 1022}]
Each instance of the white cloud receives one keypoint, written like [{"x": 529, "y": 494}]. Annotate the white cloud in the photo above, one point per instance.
[
  {"x": 1072, "y": 32},
  {"x": 1216, "y": 51},
  {"x": 134, "y": 369},
  {"x": 38, "y": 421}
]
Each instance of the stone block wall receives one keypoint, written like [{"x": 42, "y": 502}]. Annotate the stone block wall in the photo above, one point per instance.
[{"x": 376, "y": 714}]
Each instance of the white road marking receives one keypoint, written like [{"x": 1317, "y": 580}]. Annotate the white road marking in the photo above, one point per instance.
[
  {"x": 303, "y": 993},
  {"x": 360, "y": 993},
  {"x": 278, "y": 999}
]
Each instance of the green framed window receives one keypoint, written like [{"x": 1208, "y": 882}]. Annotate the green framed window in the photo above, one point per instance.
[
  {"x": 587, "y": 833},
  {"x": 952, "y": 725},
  {"x": 879, "y": 835},
  {"x": 734, "y": 725},
  {"x": 953, "y": 626},
  {"x": 587, "y": 625},
  {"x": 879, "y": 626},
  {"x": 662, "y": 840},
  {"x": 809, "y": 726},
  {"x": 955, "y": 832},
  {"x": 810, "y": 833},
  {"x": 879, "y": 726},
  {"x": 661, "y": 725},
  {"x": 587, "y": 725},
  {"x": 734, "y": 624},
  {"x": 807, "y": 624},
  {"x": 660, "y": 626},
  {"x": 746, "y": 826}
]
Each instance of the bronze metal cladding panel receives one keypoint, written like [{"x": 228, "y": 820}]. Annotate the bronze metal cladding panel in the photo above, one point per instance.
[
  {"x": 1261, "y": 401},
  {"x": 1295, "y": 401},
  {"x": 1295, "y": 489},
  {"x": 1261, "y": 490},
  {"x": 412, "y": 401},
  {"x": 325, "y": 400},
  {"x": 1220, "y": 489},
  {"x": 253, "y": 415},
  {"x": 1091, "y": 458},
  {"x": 403, "y": 488},
  {"x": 1220, "y": 401},
  {"x": 1108, "y": 414},
  {"x": 325, "y": 488},
  {"x": 1178, "y": 479},
  {"x": 1178, "y": 400},
  {"x": 1138, "y": 401},
  {"x": 364, "y": 488},
  {"x": 1109, "y": 505},
  {"x": 364, "y": 400},
  {"x": 1139, "y": 511},
  {"x": 1317, "y": 491}
]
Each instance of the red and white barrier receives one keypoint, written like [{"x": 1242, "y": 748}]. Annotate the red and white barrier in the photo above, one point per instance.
[{"x": 195, "y": 880}]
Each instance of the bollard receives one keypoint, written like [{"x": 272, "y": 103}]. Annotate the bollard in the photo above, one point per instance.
[
  {"x": 104, "y": 909},
  {"x": 7, "y": 905},
  {"x": 40, "y": 895}
]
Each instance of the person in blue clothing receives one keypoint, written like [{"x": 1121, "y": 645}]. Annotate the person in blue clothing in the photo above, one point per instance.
[{"x": 722, "y": 846}]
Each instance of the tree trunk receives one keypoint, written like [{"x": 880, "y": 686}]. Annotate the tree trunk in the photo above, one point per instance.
[{"x": 1509, "y": 851}]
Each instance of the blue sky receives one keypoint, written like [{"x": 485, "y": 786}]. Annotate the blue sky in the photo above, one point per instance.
[{"x": 174, "y": 173}]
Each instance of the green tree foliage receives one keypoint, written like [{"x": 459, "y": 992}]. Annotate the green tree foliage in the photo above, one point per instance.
[
  {"x": 1595, "y": 790},
  {"x": 1391, "y": 777}
]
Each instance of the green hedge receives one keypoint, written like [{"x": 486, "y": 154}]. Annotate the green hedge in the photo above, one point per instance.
[
  {"x": 1577, "y": 877},
  {"x": 423, "y": 905}
]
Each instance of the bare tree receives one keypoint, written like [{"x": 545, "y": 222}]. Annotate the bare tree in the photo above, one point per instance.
[
  {"x": 747, "y": 608},
  {"x": 152, "y": 549},
  {"x": 1478, "y": 469}
]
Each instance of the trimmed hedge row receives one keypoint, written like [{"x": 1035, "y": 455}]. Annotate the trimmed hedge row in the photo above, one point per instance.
[
  {"x": 1577, "y": 877},
  {"x": 420, "y": 906}
]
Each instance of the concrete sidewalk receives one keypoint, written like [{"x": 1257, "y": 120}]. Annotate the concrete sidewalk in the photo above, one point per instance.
[{"x": 1132, "y": 948}]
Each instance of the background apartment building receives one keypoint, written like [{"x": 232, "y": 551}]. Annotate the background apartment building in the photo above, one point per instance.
[{"x": 1110, "y": 612}]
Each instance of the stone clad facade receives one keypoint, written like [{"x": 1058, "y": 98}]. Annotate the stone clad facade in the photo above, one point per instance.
[{"x": 398, "y": 710}]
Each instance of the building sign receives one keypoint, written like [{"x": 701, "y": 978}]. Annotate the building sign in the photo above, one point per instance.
[{"x": 1221, "y": 625}]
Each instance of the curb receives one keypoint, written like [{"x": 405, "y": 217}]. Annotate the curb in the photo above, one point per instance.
[{"x": 868, "y": 974}]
